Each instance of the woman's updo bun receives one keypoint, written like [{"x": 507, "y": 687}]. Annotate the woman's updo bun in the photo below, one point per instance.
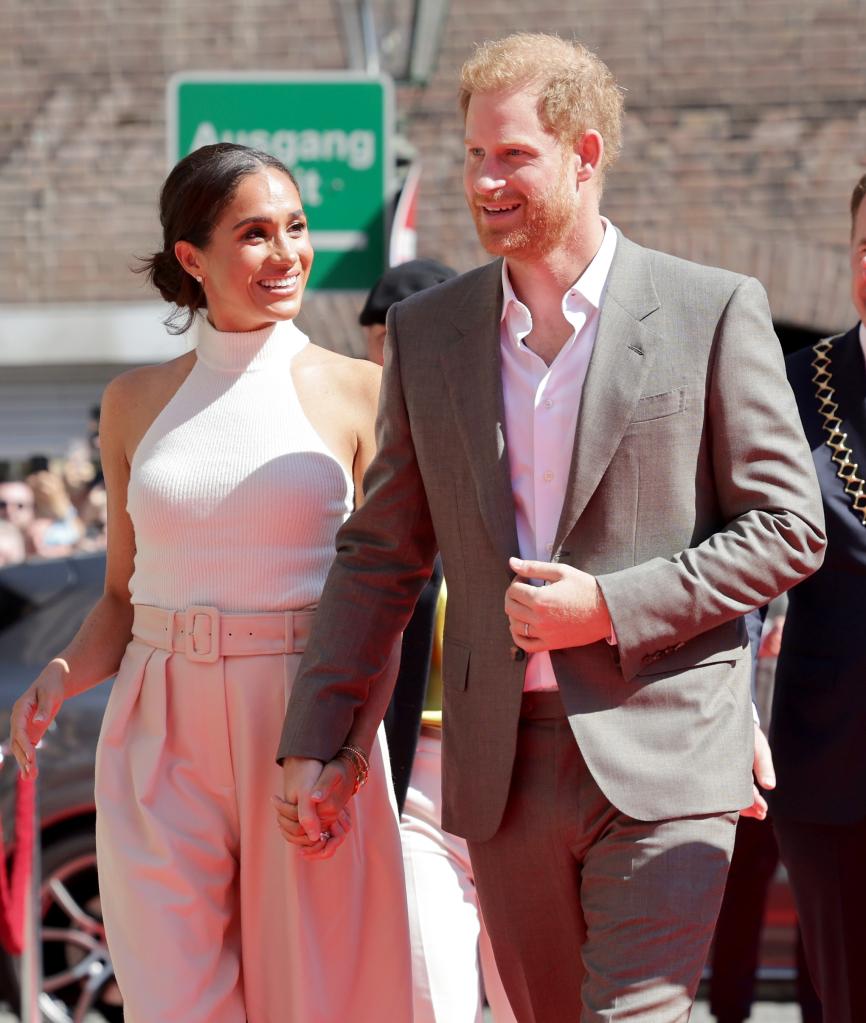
[
  {"x": 194, "y": 195},
  {"x": 169, "y": 278}
]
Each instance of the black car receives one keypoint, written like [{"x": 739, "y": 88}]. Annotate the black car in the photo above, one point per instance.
[{"x": 42, "y": 605}]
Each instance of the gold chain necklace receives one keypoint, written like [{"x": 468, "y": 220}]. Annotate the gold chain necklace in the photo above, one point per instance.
[{"x": 847, "y": 470}]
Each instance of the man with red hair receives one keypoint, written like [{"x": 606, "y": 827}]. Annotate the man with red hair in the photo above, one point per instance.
[{"x": 601, "y": 442}]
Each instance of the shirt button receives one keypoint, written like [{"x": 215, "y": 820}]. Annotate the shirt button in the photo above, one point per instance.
[
  {"x": 548, "y": 476},
  {"x": 548, "y": 403}
]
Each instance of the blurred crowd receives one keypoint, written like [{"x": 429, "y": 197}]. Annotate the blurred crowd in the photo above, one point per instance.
[{"x": 50, "y": 507}]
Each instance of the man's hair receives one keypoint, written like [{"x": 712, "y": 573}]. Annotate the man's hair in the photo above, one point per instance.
[
  {"x": 577, "y": 88},
  {"x": 857, "y": 197}
]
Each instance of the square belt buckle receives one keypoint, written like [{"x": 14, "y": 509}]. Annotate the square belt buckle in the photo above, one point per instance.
[{"x": 191, "y": 615}]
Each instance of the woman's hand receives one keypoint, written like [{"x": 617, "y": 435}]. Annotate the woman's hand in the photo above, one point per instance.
[
  {"x": 328, "y": 842},
  {"x": 330, "y": 792},
  {"x": 33, "y": 712}
]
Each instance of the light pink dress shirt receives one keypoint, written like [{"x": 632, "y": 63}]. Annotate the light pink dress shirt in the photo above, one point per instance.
[{"x": 541, "y": 407}]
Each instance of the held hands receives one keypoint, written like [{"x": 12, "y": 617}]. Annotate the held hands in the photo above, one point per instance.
[
  {"x": 33, "y": 712},
  {"x": 568, "y": 610},
  {"x": 765, "y": 776},
  {"x": 312, "y": 814}
]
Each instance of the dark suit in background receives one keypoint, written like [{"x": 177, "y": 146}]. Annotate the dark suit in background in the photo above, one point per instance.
[
  {"x": 818, "y": 731},
  {"x": 737, "y": 943}
]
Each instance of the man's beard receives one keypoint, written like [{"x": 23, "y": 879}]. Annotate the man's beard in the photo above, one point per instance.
[{"x": 547, "y": 219}]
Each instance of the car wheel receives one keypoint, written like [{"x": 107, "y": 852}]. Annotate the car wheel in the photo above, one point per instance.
[{"x": 78, "y": 977}]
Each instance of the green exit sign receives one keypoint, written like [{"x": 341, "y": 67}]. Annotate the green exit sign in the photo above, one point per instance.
[{"x": 332, "y": 130}]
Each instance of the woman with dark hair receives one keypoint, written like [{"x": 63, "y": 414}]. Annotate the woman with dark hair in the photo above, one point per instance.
[{"x": 228, "y": 472}]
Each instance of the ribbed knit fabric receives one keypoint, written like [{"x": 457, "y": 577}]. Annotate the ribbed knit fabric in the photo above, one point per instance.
[{"x": 234, "y": 497}]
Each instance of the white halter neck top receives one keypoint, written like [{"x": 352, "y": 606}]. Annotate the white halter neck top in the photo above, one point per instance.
[{"x": 234, "y": 497}]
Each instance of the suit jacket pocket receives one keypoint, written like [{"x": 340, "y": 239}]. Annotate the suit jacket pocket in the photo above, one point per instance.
[
  {"x": 455, "y": 664},
  {"x": 658, "y": 406}
]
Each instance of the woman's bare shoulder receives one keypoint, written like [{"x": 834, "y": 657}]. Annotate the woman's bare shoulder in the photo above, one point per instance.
[
  {"x": 354, "y": 378},
  {"x": 133, "y": 399},
  {"x": 145, "y": 384}
]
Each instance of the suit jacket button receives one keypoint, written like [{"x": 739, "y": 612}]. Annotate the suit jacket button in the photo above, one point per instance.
[{"x": 517, "y": 654}]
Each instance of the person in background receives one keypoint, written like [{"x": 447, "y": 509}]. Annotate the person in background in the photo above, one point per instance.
[
  {"x": 403, "y": 717},
  {"x": 12, "y": 546},
  {"x": 18, "y": 506},
  {"x": 818, "y": 727},
  {"x": 56, "y": 528},
  {"x": 93, "y": 443},
  {"x": 452, "y": 961},
  {"x": 78, "y": 471},
  {"x": 228, "y": 472},
  {"x": 94, "y": 518},
  {"x": 736, "y": 946}
]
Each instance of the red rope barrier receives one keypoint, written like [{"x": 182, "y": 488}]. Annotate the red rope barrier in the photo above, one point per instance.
[{"x": 14, "y": 887}]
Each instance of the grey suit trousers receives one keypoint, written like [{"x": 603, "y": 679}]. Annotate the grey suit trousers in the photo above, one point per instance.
[{"x": 636, "y": 901}]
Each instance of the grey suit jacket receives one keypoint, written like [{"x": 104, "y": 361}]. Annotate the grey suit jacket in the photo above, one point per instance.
[{"x": 692, "y": 497}]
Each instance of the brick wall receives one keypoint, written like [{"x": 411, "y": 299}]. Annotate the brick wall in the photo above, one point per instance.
[
  {"x": 745, "y": 132},
  {"x": 746, "y": 128}
]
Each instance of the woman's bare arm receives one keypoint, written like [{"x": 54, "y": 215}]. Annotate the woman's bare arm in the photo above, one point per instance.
[{"x": 129, "y": 405}]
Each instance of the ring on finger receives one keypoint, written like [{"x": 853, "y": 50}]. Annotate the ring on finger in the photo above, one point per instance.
[{"x": 325, "y": 836}]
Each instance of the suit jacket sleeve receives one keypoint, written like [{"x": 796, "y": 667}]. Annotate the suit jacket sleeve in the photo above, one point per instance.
[
  {"x": 385, "y": 554},
  {"x": 771, "y": 529}
]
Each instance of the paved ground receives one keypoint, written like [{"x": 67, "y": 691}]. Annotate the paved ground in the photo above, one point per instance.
[
  {"x": 8, "y": 1017},
  {"x": 763, "y": 1012}
]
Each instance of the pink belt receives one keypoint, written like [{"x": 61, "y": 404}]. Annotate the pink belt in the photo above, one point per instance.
[{"x": 205, "y": 634}]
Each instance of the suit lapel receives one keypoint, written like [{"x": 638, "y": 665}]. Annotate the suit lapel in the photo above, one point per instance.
[
  {"x": 471, "y": 362},
  {"x": 615, "y": 378}
]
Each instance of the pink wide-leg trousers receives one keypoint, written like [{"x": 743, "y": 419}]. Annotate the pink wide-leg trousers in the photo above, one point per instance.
[{"x": 210, "y": 916}]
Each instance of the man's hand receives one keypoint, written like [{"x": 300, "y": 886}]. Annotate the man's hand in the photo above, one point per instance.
[
  {"x": 771, "y": 641},
  {"x": 765, "y": 776},
  {"x": 569, "y": 610},
  {"x": 299, "y": 781},
  {"x": 312, "y": 813}
]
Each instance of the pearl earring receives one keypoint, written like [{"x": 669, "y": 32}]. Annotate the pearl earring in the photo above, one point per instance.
[{"x": 199, "y": 279}]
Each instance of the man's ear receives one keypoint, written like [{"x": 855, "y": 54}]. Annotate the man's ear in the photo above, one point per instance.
[
  {"x": 589, "y": 150},
  {"x": 190, "y": 259}
]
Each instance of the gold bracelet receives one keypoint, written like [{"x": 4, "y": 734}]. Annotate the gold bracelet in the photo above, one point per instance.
[{"x": 358, "y": 759}]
